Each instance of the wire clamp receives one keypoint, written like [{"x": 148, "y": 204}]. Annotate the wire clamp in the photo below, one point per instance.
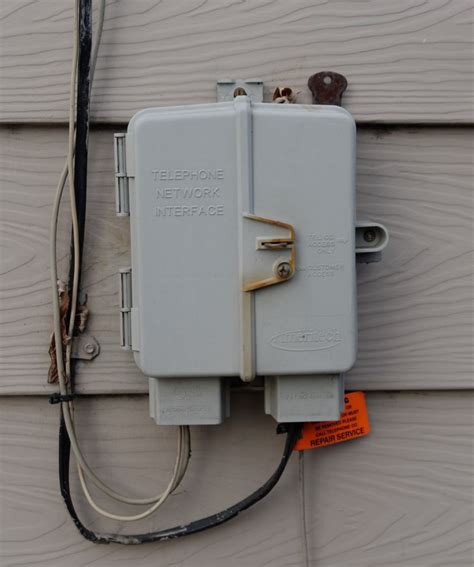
[{"x": 85, "y": 347}]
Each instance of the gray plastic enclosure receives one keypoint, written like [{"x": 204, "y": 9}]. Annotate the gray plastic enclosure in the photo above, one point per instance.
[{"x": 242, "y": 235}]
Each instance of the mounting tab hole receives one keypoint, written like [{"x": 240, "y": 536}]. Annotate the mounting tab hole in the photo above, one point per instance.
[
  {"x": 240, "y": 91},
  {"x": 327, "y": 80}
]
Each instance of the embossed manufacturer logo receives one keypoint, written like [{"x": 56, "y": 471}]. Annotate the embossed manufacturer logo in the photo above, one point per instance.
[{"x": 306, "y": 339}]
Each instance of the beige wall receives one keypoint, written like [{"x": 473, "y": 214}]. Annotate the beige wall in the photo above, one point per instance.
[{"x": 402, "y": 496}]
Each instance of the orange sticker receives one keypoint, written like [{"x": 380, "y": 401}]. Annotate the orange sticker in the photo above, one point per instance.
[{"x": 354, "y": 423}]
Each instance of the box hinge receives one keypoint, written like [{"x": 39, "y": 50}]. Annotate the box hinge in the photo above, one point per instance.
[
  {"x": 122, "y": 198},
  {"x": 126, "y": 308}
]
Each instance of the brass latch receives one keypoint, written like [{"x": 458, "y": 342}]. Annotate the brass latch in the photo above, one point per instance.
[{"x": 283, "y": 270}]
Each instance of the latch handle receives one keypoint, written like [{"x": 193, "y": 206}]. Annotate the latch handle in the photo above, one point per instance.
[{"x": 281, "y": 273}]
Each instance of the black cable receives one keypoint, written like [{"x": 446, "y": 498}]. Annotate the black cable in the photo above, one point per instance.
[
  {"x": 293, "y": 431},
  {"x": 82, "y": 127},
  {"x": 82, "y": 115},
  {"x": 80, "y": 180}
]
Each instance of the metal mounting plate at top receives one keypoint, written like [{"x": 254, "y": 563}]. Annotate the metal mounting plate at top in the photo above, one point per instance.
[{"x": 228, "y": 89}]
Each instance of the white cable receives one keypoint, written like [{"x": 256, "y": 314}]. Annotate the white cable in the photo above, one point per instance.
[
  {"x": 68, "y": 171},
  {"x": 169, "y": 489},
  {"x": 63, "y": 387}
]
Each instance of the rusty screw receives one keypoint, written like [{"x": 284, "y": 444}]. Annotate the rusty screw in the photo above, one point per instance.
[
  {"x": 370, "y": 235},
  {"x": 283, "y": 270},
  {"x": 89, "y": 348}
]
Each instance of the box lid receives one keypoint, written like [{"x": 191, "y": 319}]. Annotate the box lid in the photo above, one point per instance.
[{"x": 221, "y": 196}]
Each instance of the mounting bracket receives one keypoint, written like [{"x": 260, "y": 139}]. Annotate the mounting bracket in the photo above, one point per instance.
[
  {"x": 85, "y": 347},
  {"x": 228, "y": 89}
]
